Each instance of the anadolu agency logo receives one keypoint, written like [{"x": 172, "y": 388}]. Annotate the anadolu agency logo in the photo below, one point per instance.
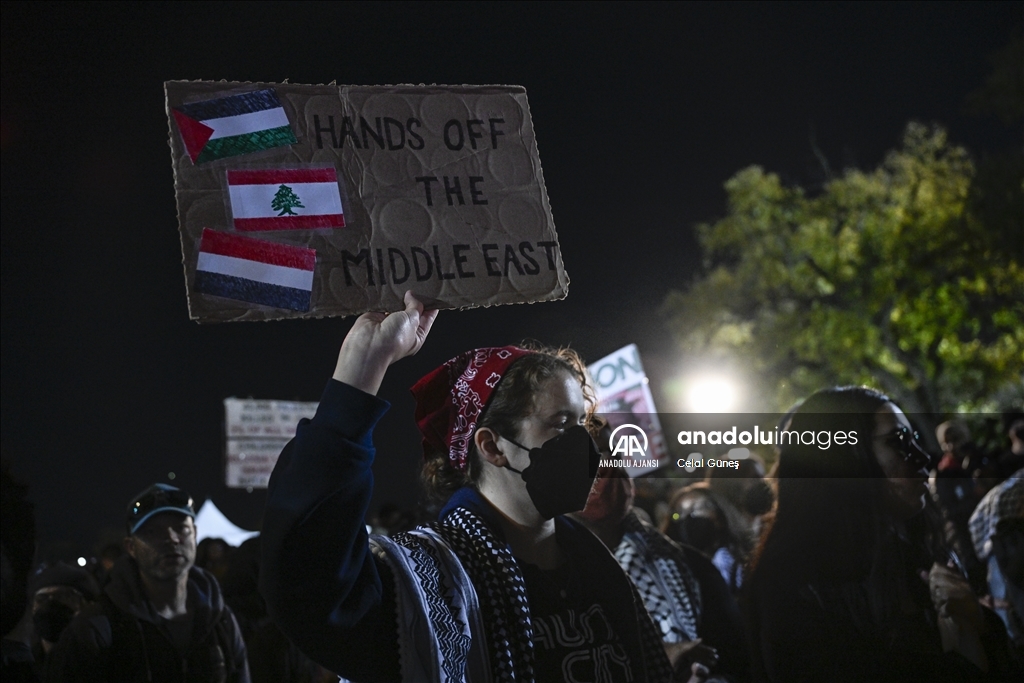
[{"x": 628, "y": 445}]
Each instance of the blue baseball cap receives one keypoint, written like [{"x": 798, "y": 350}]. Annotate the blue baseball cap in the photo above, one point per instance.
[{"x": 154, "y": 500}]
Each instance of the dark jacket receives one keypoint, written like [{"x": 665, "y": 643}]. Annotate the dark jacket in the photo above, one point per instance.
[
  {"x": 807, "y": 628},
  {"x": 120, "y": 638}
]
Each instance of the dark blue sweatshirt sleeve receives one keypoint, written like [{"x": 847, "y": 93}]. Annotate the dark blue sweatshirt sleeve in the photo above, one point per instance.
[{"x": 322, "y": 584}]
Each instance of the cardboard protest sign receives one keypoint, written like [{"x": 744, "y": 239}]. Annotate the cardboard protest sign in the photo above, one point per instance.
[
  {"x": 255, "y": 434},
  {"x": 326, "y": 200},
  {"x": 625, "y": 400}
]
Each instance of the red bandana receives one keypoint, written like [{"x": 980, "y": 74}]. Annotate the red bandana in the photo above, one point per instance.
[{"x": 449, "y": 400}]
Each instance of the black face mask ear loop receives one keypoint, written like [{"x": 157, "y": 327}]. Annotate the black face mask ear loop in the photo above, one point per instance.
[{"x": 515, "y": 443}]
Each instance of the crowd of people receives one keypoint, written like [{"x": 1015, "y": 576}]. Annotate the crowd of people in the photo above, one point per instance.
[{"x": 868, "y": 561}]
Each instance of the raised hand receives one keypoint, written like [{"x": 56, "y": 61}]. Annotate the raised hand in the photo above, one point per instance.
[{"x": 377, "y": 340}]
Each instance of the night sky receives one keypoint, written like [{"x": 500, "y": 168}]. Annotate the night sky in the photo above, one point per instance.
[{"x": 642, "y": 112}]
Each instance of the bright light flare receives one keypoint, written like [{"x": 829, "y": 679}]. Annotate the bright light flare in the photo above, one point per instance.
[
  {"x": 81, "y": 562},
  {"x": 711, "y": 395}
]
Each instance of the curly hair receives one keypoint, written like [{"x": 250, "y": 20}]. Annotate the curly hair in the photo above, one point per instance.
[{"x": 513, "y": 400}]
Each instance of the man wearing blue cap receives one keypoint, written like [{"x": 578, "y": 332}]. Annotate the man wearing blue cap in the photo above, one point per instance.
[{"x": 160, "y": 618}]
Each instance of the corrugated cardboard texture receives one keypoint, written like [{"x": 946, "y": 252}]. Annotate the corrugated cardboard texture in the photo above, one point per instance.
[{"x": 493, "y": 244}]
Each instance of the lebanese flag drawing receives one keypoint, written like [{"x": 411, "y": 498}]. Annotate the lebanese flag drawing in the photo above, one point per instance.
[
  {"x": 285, "y": 199},
  {"x": 255, "y": 271},
  {"x": 233, "y": 125}
]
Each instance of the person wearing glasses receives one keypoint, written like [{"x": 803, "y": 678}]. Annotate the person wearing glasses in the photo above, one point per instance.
[
  {"x": 853, "y": 580},
  {"x": 160, "y": 618}
]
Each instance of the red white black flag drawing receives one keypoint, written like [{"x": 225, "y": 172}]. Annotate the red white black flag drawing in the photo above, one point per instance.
[{"x": 256, "y": 271}]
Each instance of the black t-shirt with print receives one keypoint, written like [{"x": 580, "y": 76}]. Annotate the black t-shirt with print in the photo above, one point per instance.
[{"x": 574, "y": 639}]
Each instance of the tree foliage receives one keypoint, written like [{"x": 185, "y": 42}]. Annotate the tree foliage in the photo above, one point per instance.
[{"x": 909, "y": 278}]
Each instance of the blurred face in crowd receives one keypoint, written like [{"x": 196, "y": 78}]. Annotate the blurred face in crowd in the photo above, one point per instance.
[
  {"x": 53, "y": 608},
  {"x": 1016, "y": 434},
  {"x": 65, "y": 595},
  {"x": 165, "y": 546},
  {"x": 212, "y": 555},
  {"x": 697, "y": 521},
  {"x": 611, "y": 498},
  {"x": 907, "y": 476}
]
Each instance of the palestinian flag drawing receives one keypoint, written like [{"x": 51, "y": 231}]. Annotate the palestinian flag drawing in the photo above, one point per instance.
[
  {"x": 285, "y": 199},
  {"x": 229, "y": 126},
  {"x": 255, "y": 271}
]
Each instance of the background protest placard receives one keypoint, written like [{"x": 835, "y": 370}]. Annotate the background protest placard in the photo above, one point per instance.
[
  {"x": 625, "y": 400},
  {"x": 255, "y": 433},
  {"x": 312, "y": 201}
]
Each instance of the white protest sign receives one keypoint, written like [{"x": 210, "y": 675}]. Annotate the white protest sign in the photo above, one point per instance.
[
  {"x": 625, "y": 400},
  {"x": 256, "y": 433}
]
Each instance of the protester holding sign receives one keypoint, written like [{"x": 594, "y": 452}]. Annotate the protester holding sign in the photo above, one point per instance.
[{"x": 487, "y": 592}]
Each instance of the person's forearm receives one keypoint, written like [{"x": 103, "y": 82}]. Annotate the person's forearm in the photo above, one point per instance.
[
  {"x": 360, "y": 366},
  {"x": 317, "y": 571}
]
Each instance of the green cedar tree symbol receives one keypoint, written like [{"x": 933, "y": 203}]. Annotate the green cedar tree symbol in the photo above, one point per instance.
[{"x": 285, "y": 200}]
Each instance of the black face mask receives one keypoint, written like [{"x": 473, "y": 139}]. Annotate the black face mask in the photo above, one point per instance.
[
  {"x": 700, "y": 532},
  {"x": 51, "y": 619},
  {"x": 758, "y": 499},
  {"x": 561, "y": 472}
]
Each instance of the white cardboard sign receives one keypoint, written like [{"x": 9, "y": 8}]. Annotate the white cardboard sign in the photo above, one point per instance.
[
  {"x": 256, "y": 433},
  {"x": 625, "y": 400}
]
